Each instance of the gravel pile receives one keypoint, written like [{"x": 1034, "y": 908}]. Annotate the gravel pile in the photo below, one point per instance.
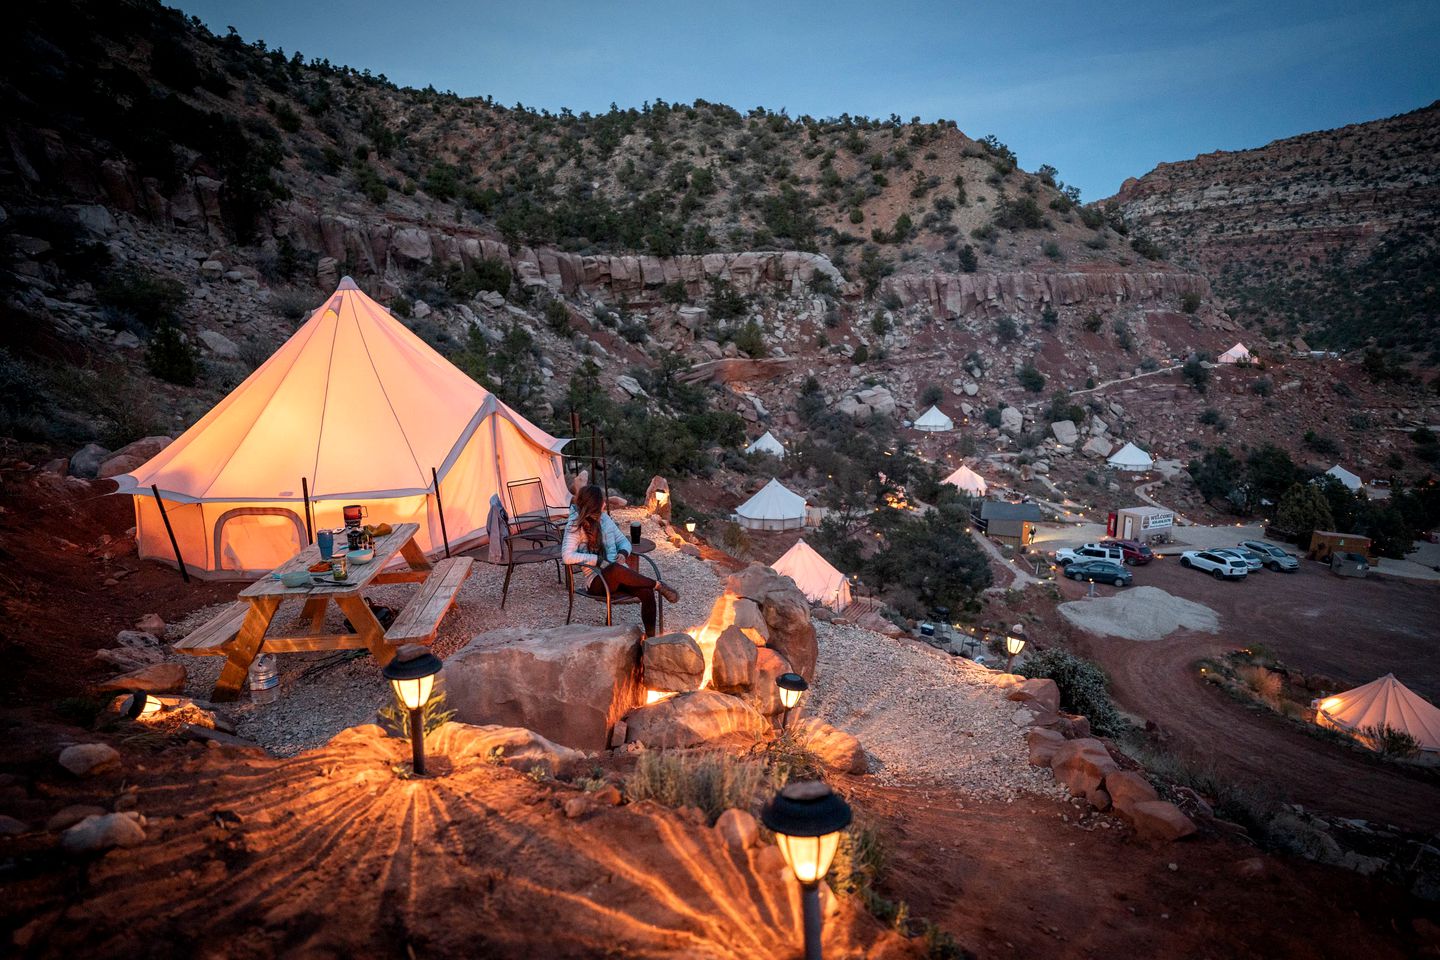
[
  {"x": 323, "y": 693},
  {"x": 922, "y": 715},
  {"x": 1140, "y": 613}
]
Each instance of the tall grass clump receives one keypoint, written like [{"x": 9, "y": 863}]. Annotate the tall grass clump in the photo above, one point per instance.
[{"x": 713, "y": 781}]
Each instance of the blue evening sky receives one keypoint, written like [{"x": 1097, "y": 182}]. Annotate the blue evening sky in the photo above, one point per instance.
[{"x": 1101, "y": 90}]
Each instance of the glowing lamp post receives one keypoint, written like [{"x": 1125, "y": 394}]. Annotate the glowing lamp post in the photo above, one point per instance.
[
  {"x": 1013, "y": 646},
  {"x": 792, "y": 687},
  {"x": 690, "y": 526},
  {"x": 806, "y": 818},
  {"x": 413, "y": 680}
]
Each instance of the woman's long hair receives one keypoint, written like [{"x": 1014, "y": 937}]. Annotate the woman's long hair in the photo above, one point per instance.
[{"x": 589, "y": 503}]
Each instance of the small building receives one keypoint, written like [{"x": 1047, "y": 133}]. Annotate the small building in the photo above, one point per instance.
[
  {"x": 1009, "y": 523},
  {"x": 1141, "y": 523},
  {"x": 1323, "y": 543},
  {"x": 773, "y": 508}
]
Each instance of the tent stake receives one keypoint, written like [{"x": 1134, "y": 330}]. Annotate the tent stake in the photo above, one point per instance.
[
  {"x": 174, "y": 544},
  {"x": 440, "y": 506},
  {"x": 309, "y": 520}
]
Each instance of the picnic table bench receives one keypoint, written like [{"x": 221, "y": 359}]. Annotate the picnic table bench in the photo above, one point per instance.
[{"x": 240, "y": 632}]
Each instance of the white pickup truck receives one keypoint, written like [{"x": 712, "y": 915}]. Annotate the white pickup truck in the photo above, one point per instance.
[{"x": 1090, "y": 551}]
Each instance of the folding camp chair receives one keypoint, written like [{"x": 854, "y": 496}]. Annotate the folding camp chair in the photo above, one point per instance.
[
  {"x": 543, "y": 538},
  {"x": 533, "y": 518},
  {"x": 577, "y": 582}
]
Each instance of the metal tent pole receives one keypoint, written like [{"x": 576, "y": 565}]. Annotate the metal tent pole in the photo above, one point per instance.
[
  {"x": 174, "y": 544},
  {"x": 309, "y": 517},
  {"x": 440, "y": 506}
]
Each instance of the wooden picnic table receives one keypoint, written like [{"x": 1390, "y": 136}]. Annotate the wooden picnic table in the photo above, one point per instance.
[{"x": 240, "y": 633}]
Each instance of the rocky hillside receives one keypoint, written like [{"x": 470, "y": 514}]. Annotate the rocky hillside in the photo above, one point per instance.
[{"x": 1332, "y": 235}]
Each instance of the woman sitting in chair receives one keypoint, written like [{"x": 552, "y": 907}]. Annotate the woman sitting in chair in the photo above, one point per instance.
[{"x": 591, "y": 537}]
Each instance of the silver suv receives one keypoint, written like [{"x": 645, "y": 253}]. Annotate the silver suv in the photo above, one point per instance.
[{"x": 1272, "y": 556}]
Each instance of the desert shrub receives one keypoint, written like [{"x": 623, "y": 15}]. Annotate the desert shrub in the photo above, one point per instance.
[
  {"x": 861, "y": 354},
  {"x": 1322, "y": 444},
  {"x": 1007, "y": 330},
  {"x": 1265, "y": 684},
  {"x": 1147, "y": 248},
  {"x": 1084, "y": 688},
  {"x": 1190, "y": 302},
  {"x": 1018, "y": 213},
  {"x": 1030, "y": 378},
  {"x": 1197, "y": 373},
  {"x": 145, "y": 297},
  {"x": 170, "y": 356},
  {"x": 725, "y": 302},
  {"x": 1052, "y": 250},
  {"x": 1387, "y": 741},
  {"x": 1124, "y": 336},
  {"x": 735, "y": 540},
  {"x": 1263, "y": 387},
  {"x": 931, "y": 395},
  {"x": 675, "y": 293},
  {"x": 991, "y": 416},
  {"x": 1094, "y": 322},
  {"x": 557, "y": 317},
  {"x": 749, "y": 339},
  {"x": 713, "y": 781},
  {"x": 1049, "y": 319},
  {"x": 969, "y": 263},
  {"x": 293, "y": 303},
  {"x": 1210, "y": 417},
  {"x": 1063, "y": 408}
]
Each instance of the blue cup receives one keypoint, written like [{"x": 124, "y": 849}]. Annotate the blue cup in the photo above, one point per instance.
[{"x": 325, "y": 539}]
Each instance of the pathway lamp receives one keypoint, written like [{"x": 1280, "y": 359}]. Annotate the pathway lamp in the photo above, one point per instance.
[
  {"x": 142, "y": 705},
  {"x": 412, "y": 681},
  {"x": 806, "y": 818},
  {"x": 1013, "y": 646},
  {"x": 792, "y": 687}
]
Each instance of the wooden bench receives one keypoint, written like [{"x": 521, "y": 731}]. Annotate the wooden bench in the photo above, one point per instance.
[
  {"x": 421, "y": 617},
  {"x": 215, "y": 636}
]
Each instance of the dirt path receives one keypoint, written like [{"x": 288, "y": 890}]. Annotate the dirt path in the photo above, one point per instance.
[
  {"x": 1022, "y": 880},
  {"x": 1314, "y": 622}
]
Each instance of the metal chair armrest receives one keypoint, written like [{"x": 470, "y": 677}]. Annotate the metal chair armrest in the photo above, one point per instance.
[{"x": 654, "y": 567}]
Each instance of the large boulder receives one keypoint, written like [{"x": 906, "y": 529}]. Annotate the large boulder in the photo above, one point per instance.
[
  {"x": 732, "y": 609},
  {"x": 699, "y": 718},
  {"x": 132, "y": 456},
  {"x": 1159, "y": 820},
  {"x": 1041, "y": 691},
  {"x": 836, "y": 749},
  {"x": 1011, "y": 420},
  {"x": 764, "y": 694},
  {"x": 570, "y": 684},
  {"x": 733, "y": 665},
  {"x": 1043, "y": 744},
  {"x": 1065, "y": 432},
  {"x": 86, "y": 461},
  {"x": 1127, "y": 788},
  {"x": 1082, "y": 766},
  {"x": 89, "y": 759},
  {"x": 166, "y": 677},
  {"x": 1097, "y": 447},
  {"x": 672, "y": 662},
  {"x": 95, "y": 834},
  {"x": 787, "y": 613},
  {"x": 512, "y": 746}
]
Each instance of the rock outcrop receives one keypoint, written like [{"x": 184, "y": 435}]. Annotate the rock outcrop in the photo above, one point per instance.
[
  {"x": 569, "y": 684},
  {"x": 699, "y": 718}
]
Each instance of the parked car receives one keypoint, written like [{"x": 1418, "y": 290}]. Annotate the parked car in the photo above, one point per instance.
[
  {"x": 1100, "y": 571},
  {"x": 1250, "y": 559},
  {"x": 1090, "y": 551},
  {"x": 1135, "y": 552},
  {"x": 1272, "y": 556},
  {"x": 1216, "y": 564}
]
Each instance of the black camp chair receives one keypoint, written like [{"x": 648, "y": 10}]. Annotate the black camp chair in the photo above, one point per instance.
[
  {"x": 543, "y": 539},
  {"x": 577, "y": 581}
]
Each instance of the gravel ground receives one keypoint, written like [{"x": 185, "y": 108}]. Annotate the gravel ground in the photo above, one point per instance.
[
  {"x": 1140, "y": 613},
  {"x": 922, "y": 715},
  {"x": 323, "y": 693}
]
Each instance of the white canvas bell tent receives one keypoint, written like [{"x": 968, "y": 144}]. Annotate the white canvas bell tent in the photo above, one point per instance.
[
  {"x": 1382, "y": 703},
  {"x": 1131, "y": 457},
  {"x": 969, "y": 481},
  {"x": 361, "y": 410},
  {"x": 767, "y": 444},
  {"x": 813, "y": 574},
  {"x": 1236, "y": 354},
  {"x": 934, "y": 420},
  {"x": 773, "y": 508},
  {"x": 1351, "y": 481}
]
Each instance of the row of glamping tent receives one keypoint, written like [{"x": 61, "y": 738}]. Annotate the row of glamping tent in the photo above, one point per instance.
[{"x": 353, "y": 408}]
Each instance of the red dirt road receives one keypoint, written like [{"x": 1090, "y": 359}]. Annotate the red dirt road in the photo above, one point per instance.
[{"x": 1353, "y": 630}]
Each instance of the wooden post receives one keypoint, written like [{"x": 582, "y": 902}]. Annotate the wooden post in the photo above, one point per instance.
[
  {"x": 174, "y": 544},
  {"x": 440, "y": 506},
  {"x": 604, "y": 473},
  {"x": 309, "y": 520}
]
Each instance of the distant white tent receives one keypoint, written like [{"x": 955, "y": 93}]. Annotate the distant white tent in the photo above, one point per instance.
[
  {"x": 1351, "y": 481},
  {"x": 969, "y": 481},
  {"x": 1382, "y": 703},
  {"x": 1236, "y": 354},
  {"x": 773, "y": 508},
  {"x": 767, "y": 444},
  {"x": 1131, "y": 457},
  {"x": 814, "y": 575},
  {"x": 934, "y": 421}
]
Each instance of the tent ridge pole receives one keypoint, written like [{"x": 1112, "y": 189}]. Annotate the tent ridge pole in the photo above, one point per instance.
[
  {"x": 309, "y": 518},
  {"x": 440, "y": 506},
  {"x": 174, "y": 544}
]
